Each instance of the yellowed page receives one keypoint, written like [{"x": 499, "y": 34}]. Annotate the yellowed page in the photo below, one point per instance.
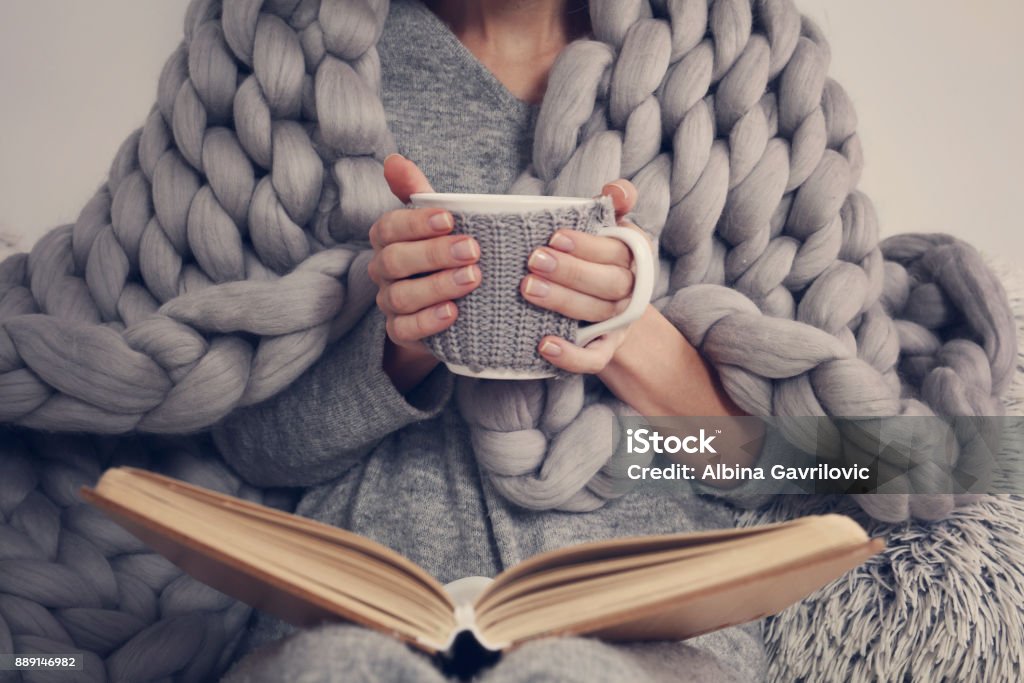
[
  {"x": 631, "y": 546},
  {"x": 289, "y": 521},
  {"x": 788, "y": 563},
  {"x": 284, "y": 577}
]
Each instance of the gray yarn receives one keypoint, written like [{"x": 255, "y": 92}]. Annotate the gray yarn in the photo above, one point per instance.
[
  {"x": 228, "y": 247},
  {"x": 494, "y": 330},
  {"x": 942, "y": 603},
  {"x": 71, "y": 580}
]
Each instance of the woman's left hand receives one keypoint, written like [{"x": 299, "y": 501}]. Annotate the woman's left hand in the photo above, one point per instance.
[{"x": 585, "y": 277}]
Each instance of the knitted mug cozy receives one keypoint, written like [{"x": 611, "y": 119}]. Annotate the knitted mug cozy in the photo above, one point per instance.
[
  {"x": 228, "y": 246},
  {"x": 497, "y": 328}
]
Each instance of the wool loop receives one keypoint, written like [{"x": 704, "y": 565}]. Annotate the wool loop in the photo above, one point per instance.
[{"x": 228, "y": 248}]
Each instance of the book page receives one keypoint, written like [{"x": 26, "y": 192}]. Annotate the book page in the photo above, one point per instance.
[
  {"x": 333, "y": 534},
  {"x": 295, "y": 570},
  {"x": 717, "y": 608},
  {"x": 678, "y": 595},
  {"x": 628, "y": 547}
]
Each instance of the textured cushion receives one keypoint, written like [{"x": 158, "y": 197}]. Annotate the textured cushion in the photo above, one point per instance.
[
  {"x": 942, "y": 602},
  {"x": 945, "y": 601}
]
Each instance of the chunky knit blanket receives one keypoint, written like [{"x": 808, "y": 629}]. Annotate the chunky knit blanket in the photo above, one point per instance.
[{"x": 228, "y": 246}]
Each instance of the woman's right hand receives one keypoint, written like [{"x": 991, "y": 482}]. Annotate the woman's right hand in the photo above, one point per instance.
[{"x": 420, "y": 271}]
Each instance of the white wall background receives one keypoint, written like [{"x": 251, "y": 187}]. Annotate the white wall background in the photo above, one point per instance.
[{"x": 938, "y": 86}]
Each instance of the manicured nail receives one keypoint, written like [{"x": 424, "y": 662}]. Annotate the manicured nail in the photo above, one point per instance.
[
  {"x": 464, "y": 276},
  {"x": 464, "y": 249},
  {"x": 562, "y": 242},
  {"x": 550, "y": 348},
  {"x": 537, "y": 287},
  {"x": 541, "y": 261},
  {"x": 444, "y": 311},
  {"x": 441, "y": 222},
  {"x": 620, "y": 188}
]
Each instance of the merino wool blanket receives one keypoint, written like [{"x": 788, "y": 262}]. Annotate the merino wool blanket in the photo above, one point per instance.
[{"x": 228, "y": 248}]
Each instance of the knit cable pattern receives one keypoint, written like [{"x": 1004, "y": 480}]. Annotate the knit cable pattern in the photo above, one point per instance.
[
  {"x": 498, "y": 328},
  {"x": 227, "y": 247},
  {"x": 746, "y": 159},
  {"x": 73, "y": 581}
]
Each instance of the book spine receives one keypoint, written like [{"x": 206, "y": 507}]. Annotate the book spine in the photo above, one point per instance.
[{"x": 465, "y": 617}]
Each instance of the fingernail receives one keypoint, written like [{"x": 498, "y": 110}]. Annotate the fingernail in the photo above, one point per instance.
[
  {"x": 550, "y": 348},
  {"x": 464, "y": 249},
  {"x": 444, "y": 311},
  {"x": 393, "y": 154},
  {"x": 562, "y": 242},
  {"x": 441, "y": 222},
  {"x": 620, "y": 188},
  {"x": 537, "y": 287},
  {"x": 542, "y": 261},
  {"x": 464, "y": 276}
]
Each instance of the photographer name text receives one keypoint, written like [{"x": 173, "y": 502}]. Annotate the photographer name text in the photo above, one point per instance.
[{"x": 719, "y": 471}]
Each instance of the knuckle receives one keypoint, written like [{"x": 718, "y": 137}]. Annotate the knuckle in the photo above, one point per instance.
[
  {"x": 607, "y": 309},
  {"x": 625, "y": 284},
  {"x": 594, "y": 361},
  {"x": 402, "y": 329},
  {"x": 581, "y": 363},
  {"x": 396, "y": 299},
  {"x": 388, "y": 261},
  {"x": 384, "y": 228},
  {"x": 440, "y": 287},
  {"x": 623, "y": 256},
  {"x": 424, "y": 324},
  {"x": 571, "y": 270},
  {"x": 391, "y": 328},
  {"x": 437, "y": 254}
]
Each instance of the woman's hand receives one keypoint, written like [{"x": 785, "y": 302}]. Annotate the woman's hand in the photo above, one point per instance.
[
  {"x": 585, "y": 277},
  {"x": 420, "y": 270}
]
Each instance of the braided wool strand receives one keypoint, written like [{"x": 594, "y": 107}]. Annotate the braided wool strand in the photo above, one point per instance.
[
  {"x": 222, "y": 217},
  {"x": 71, "y": 580},
  {"x": 228, "y": 246},
  {"x": 774, "y": 268}
]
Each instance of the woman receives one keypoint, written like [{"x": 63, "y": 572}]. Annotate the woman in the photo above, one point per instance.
[{"x": 372, "y": 427}]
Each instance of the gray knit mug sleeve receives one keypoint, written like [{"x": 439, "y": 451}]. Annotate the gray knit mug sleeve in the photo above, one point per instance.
[{"x": 496, "y": 328}]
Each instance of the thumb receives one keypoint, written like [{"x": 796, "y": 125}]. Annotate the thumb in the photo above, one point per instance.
[{"x": 404, "y": 177}]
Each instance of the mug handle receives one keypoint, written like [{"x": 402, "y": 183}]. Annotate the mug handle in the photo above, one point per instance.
[{"x": 643, "y": 284}]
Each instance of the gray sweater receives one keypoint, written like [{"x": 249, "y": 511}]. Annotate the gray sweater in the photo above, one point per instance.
[{"x": 400, "y": 469}]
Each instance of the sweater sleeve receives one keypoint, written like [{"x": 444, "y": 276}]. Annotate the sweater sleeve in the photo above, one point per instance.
[{"x": 330, "y": 417}]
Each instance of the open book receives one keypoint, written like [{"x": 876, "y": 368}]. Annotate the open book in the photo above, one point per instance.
[{"x": 641, "y": 588}]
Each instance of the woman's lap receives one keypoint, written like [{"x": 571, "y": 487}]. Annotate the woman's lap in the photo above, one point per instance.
[{"x": 341, "y": 652}]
